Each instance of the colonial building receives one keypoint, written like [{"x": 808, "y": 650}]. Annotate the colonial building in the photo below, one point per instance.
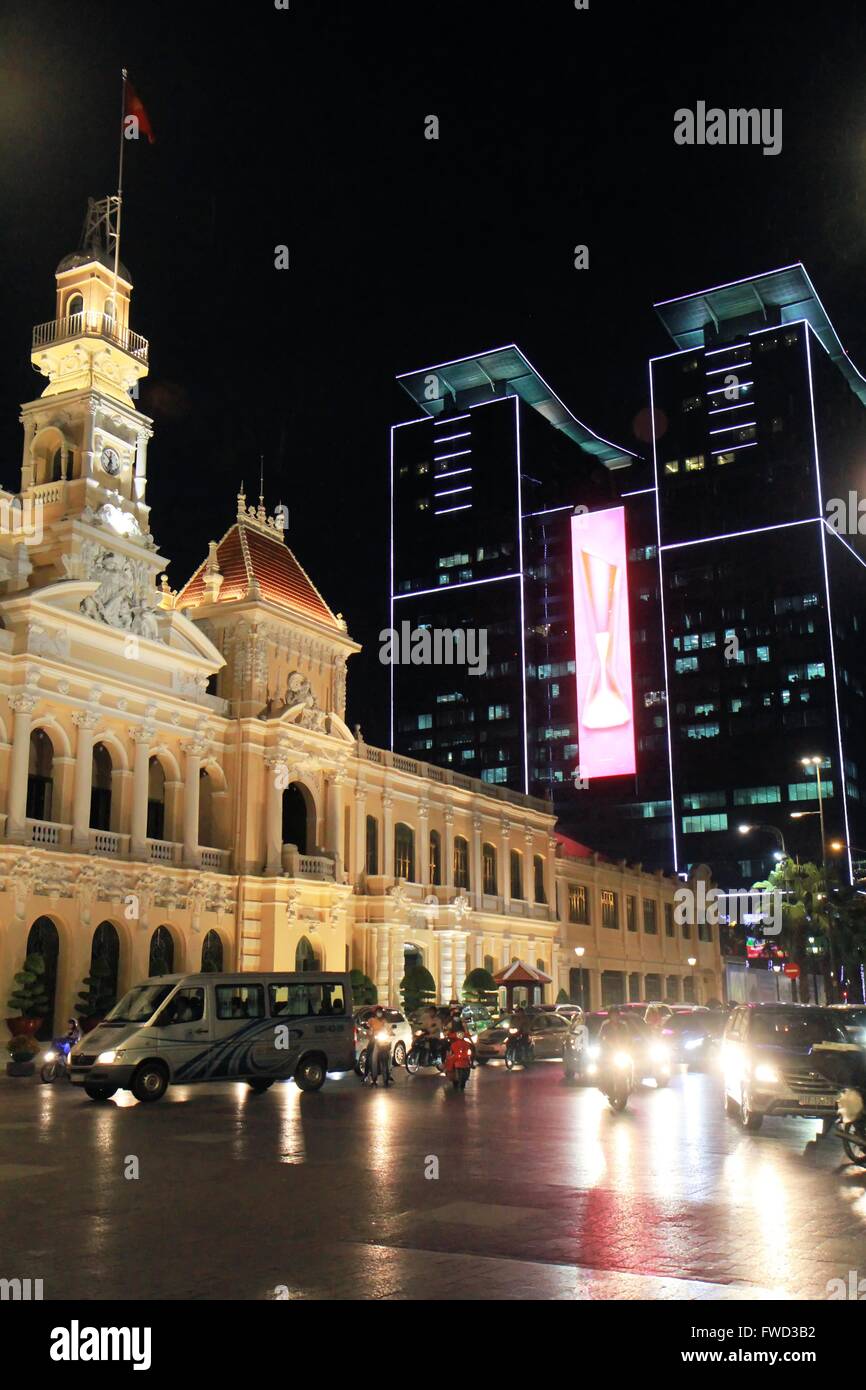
[{"x": 178, "y": 785}]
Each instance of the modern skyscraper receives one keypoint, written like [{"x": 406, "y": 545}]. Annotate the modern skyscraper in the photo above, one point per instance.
[
  {"x": 483, "y": 487},
  {"x": 760, "y": 437}
]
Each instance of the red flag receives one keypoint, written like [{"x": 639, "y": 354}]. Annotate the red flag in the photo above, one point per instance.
[{"x": 134, "y": 106}]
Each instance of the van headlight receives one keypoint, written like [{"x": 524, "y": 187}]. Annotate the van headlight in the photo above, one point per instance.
[
  {"x": 769, "y": 1075},
  {"x": 105, "y": 1059}
]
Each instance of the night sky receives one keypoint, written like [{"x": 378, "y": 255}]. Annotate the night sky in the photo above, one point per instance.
[{"x": 306, "y": 128}]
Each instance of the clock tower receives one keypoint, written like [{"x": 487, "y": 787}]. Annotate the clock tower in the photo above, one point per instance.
[{"x": 84, "y": 469}]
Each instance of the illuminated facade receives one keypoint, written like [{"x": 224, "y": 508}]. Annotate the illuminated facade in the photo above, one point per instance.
[{"x": 178, "y": 785}]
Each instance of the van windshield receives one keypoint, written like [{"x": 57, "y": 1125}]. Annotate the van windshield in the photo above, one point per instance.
[{"x": 140, "y": 1004}]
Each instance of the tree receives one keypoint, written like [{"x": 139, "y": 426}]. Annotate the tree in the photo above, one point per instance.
[
  {"x": 97, "y": 996},
  {"x": 804, "y": 913},
  {"x": 30, "y": 995},
  {"x": 417, "y": 987},
  {"x": 562, "y": 997},
  {"x": 363, "y": 989},
  {"x": 480, "y": 987}
]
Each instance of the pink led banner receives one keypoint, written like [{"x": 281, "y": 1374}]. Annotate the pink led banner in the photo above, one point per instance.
[{"x": 602, "y": 644}]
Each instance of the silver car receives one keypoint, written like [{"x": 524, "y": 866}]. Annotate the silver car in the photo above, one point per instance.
[{"x": 771, "y": 1062}]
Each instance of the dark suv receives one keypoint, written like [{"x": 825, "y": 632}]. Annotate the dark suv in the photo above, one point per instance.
[{"x": 771, "y": 1061}]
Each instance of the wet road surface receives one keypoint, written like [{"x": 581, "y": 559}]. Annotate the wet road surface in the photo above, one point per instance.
[{"x": 542, "y": 1192}]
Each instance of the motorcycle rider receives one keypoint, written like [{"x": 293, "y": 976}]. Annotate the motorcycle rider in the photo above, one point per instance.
[
  {"x": 430, "y": 1023},
  {"x": 523, "y": 1041},
  {"x": 458, "y": 1062},
  {"x": 614, "y": 1033},
  {"x": 379, "y": 1048}
]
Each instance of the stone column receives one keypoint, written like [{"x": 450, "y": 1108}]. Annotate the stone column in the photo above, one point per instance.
[
  {"x": 550, "y": 875},
  {"x": 277, "y": 778},
  {"x": 360, "y": 831},
  {"x": 459, "y": 966},
  {"x": 447, "y": 874},
  {"x": 476, "y": 879},
  {"x": 388, "y": 835},
  {"x": 529, "y": 870},
  {"x": 446, "y": 966},
  {"x": 141, "y": 737},
  {"x": 423, "y": 866},
  {"x": 193, "y": 752},
  {"x": 19, "y": 766},
  {"x": 334, "y": 820},
  {"x": 382, "y": 962},
  {"x": 505, "y": 870},
  {"x": 85, "y": 721}
]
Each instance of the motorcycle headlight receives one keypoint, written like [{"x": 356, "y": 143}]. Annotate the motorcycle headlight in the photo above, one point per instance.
[
  {"x": 659, "y": 1053},
  {"x": 769, "y": 1075},
  {"x": 513, "y": 1031},
  {"x": 51, "y": 1056},
  {"x": 593, "y": 1050},
  {"x": 621, "y": 1060},
  {"x": 592, "y": 1069},
  {"x": 106, "y": 1058}
]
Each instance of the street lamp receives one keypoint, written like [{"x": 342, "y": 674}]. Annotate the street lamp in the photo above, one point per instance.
[
  {"x": 817, "y": 763},
  {"x": 781, "y": 853}
]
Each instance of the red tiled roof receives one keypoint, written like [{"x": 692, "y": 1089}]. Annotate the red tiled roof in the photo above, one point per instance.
[
  {"x": 519, "y": 973},
  {"x": 245, "y": 554},
  {"x": 573, "y": 849}
]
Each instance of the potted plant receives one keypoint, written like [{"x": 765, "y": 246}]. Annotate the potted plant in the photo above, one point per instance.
[
  {"x": 29, "y": 998},
  {"x": 22, "y": 1054},
  {"x": 96, "y": 997},
  {"x": 363, "y": 989}
]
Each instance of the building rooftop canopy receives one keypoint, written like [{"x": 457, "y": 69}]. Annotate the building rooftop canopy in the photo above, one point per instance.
[
  {"x": 779, "y": 295},
  {"x": 505, "y": 371}
]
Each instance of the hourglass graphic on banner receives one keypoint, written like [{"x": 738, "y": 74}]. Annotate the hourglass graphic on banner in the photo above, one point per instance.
[
  {"x": 604, "y": 706},
  {"x": 602, "y": 644}
]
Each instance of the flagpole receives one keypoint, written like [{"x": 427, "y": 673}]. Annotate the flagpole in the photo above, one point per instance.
[{"x": 119, "y": 192}]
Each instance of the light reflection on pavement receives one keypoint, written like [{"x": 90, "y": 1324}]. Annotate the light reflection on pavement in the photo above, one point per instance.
[{"x": 542, "y": 1192}]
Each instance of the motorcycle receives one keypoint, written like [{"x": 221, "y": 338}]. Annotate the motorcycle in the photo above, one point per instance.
[
  {"x": 55, "y": 1063},
  {"x": 852, "y": 1125},
  {"x": 458, "y": 1063},
  {"x": 376, "y": 1057},
  {"x": 519, "y": 1051},
  {"x": 426, "y": 1051},
  {"x": 617, "y": 1079}
]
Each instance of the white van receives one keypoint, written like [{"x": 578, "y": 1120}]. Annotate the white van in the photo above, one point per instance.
[{"x": 209, "y": 1027}]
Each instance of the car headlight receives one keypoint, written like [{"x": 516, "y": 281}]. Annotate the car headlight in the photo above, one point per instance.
[
  {"x": 474, "y": 1037},
  {"x": 769, "y": 1075},
  {"x": 592, "y": 1069},
  {"x": 106, "y": 1058}
]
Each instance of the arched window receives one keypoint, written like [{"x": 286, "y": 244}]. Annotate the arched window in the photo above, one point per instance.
[
  {"x": 372, "y": 846},
  {"x": 161, "y": 957},
  {"x": 306, "y": 957},
  {"x": 404, "y": 851},
  {"x": 538, "y": 865},
  {"x": 539, "y": 963},
  {"x": 461, "y": 862},
  {"x": 43, "y": 940},
  {"x": 672, "y": 988},
  {"x": 101, "y": 989},
  {"x": 55, "y": 468},
  {"x": 109, "y": 315},
  {"x": 40, "y": 776},
  {"x": 488, "y": 865},
  {"x": 516, "y": 873},
  {"x": 205, "y": 808},
  {"x": 435, "y": 857},
  {"x": 212, "y": 952},
  {"x": 295, "y": 819},
  {"x": 155, "y": 800},
  {"x": 689, "y": 989},
  {"x": 74, "y": 305},
  {"x": 100, "y": 789},
  {"x": 488, "y": 964}
]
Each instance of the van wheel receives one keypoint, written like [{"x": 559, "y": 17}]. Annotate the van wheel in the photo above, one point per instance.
[
  {"x": 259, "y": 1084},
  {"x": 99, "y": 1092},
  {"x": 150, "y": 1081},
  {"x": 310, "y": 1075},
  {"x": 400, "y": 1055}
]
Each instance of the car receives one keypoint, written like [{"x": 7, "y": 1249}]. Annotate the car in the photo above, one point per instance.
[
  {"x": 694, "y": 1036},
  {"x": 652, "y": 1059},
  {"x": 401, "y": 1033},
  {"x": 853, "y": 1020},
  {"x": 548, "y": 1032},
  {"x": 771, "y": 1062}
]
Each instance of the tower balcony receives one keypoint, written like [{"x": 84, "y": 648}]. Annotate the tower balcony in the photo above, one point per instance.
[{"x": 90, "y": 325}]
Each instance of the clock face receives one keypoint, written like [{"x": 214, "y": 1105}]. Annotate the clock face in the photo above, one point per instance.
[{"x": 110, "y": 460}]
